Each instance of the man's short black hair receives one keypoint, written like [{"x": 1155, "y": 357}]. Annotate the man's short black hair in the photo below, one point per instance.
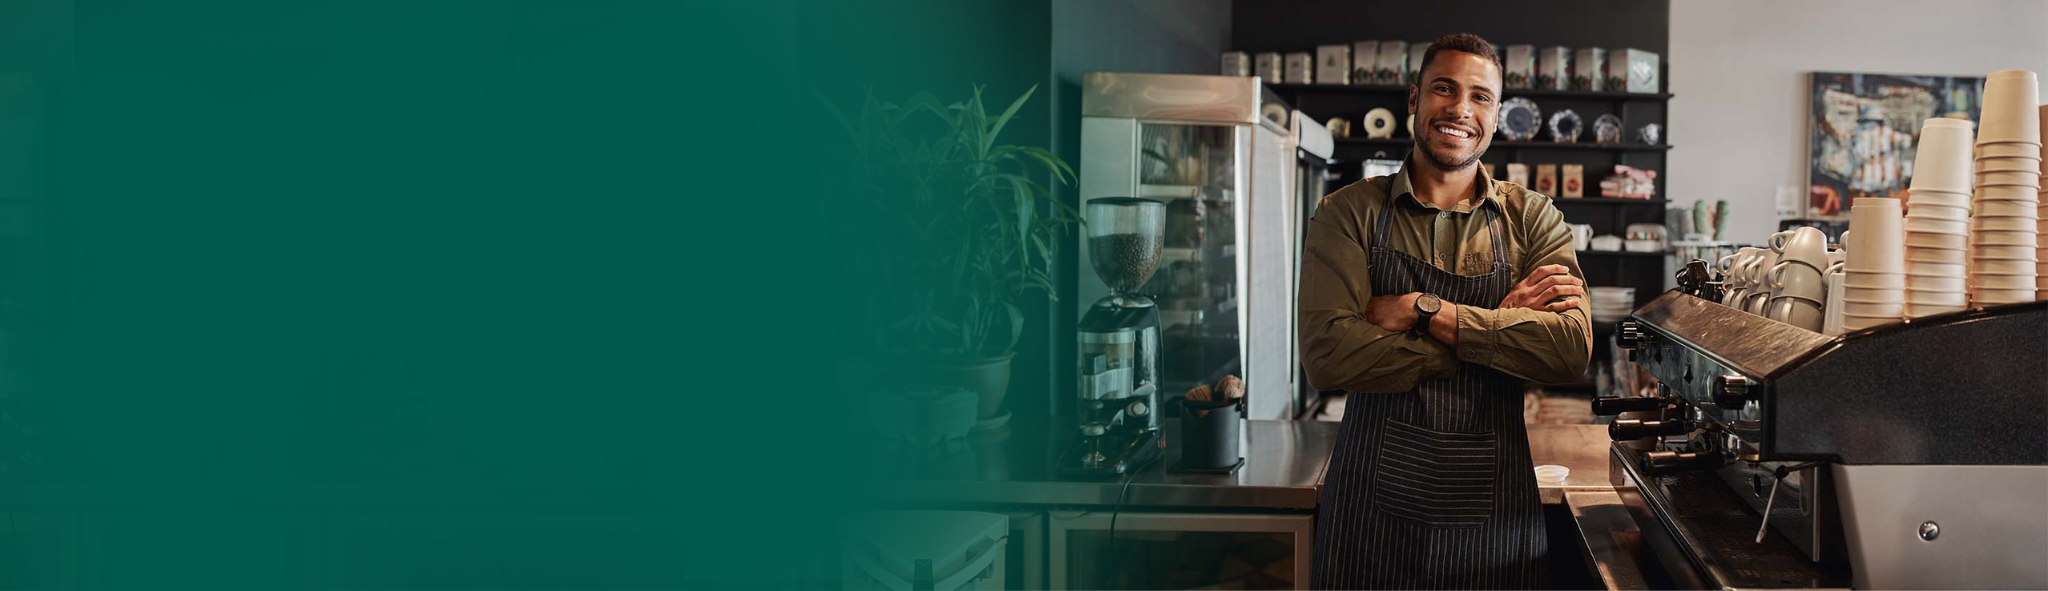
[{"x": 1465, "y": 42}]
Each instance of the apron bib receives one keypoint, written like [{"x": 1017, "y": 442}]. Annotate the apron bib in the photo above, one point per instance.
[{"x": 1433, "y": 488}]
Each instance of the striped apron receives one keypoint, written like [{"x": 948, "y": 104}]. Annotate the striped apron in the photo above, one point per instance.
[{"x": 1433, "y": 488}]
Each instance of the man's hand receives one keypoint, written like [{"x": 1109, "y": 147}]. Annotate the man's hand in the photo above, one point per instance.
[
  {"x": 1550, "y": 288},
  {"x": 1394, "y": 313}
]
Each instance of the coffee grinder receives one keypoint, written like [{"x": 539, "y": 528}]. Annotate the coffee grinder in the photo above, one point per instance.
[{"x": 1118, "y": 405}]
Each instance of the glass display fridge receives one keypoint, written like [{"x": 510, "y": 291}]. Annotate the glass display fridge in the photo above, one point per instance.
[
  {"x": 1221, "y": 153},
  {"x": 1313, "y": 148}
]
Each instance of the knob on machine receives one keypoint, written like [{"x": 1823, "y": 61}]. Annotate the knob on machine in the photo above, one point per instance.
[{"x": 1731, "y": 391}]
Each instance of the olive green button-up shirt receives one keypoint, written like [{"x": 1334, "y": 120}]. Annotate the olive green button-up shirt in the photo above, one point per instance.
[{"x": 1342, "y": 351}]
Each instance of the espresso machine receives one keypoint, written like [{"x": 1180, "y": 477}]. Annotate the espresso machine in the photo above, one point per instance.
[
  {"x": 1912, "y": 455},
  {"x": 1118, "y": 395}
]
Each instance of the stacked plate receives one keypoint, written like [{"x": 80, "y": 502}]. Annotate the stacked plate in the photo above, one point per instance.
[
  {"x": 1612, "y": 304},
  {"x": 1938, "y": 219},
  {"x": 2041, "y": 255},
  {"x": 1874, "y": 278},
  {"x": 2005, "y": 230}
]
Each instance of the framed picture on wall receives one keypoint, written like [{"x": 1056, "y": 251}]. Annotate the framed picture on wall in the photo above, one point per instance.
[{"x": 1863, "y": 129}]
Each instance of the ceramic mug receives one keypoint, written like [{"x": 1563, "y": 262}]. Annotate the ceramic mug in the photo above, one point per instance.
[{"x": 1582, "y": 236}]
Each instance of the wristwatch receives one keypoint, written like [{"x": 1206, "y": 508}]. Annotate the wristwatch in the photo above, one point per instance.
[{"x": 1426, "y": 307}]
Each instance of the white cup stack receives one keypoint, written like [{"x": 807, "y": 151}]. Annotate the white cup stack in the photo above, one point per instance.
[
  {"x": 1798, "y": 282},
  {"x": 2004, "y": 233},
  {"x": 1938, "y": 219},
  {"x": 1874, "y": 278},
  {"x": 2041, "y": 255}
]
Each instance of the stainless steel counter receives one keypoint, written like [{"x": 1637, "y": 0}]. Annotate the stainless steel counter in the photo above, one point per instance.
[{"x": 1283, "y": 470}]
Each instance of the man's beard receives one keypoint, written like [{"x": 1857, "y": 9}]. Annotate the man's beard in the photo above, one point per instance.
[{"x": 1429, "y": 151}]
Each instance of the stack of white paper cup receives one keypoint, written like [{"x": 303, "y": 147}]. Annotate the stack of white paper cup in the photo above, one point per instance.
[
  {"x": 2041, "y": 255},
  {"x": 1938, "y": 219},
  {"x": 1874, "y": 279},
  {"x": 2004, "y": 233}
]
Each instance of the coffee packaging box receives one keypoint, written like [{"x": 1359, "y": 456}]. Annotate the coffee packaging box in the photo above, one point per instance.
[
  {"x": 1236, "y": 63},
  {"x": 1589, "y": 69},
  {"x": 1416, "y": 51},
  {"x": 1393, "y": 63},
  {"x": 1364, "y": 56},
  {"x": 1301, "y": 68},
  {"x": 1518, "y": 173},
  {"x": 1520, "y": 66},
  {"x": 1333, "y": 64},
  {"x": 1574, "y": 181},
  {"x": 1546, "y": 179},
  {"x": 1269, "y": 67},
  {"x": 1553, "y": 68},
  {"x": 1632, "y": 70}
]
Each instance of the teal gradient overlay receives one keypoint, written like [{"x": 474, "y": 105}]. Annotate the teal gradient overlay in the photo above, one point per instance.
[{"x": 420, "y": 294}]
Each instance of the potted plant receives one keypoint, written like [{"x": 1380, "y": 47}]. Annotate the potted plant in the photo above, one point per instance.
[{"x": 959, "y": 232}]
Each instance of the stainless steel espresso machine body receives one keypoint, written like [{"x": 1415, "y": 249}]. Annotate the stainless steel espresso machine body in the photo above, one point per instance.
[{"x": 1911, "y": 455}]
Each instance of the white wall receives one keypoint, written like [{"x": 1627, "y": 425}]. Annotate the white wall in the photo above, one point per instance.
[{"x": 1738, "y": 70}]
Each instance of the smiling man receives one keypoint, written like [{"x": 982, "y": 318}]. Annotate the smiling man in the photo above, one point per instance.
[{"x": 1432, "y": 297}]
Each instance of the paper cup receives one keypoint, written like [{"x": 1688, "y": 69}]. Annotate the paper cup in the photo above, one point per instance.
[
  {"x": 2003, "y": 282},
  {"x": 1935, "y": 269},
  {"x": 2008, "y": 193},
  {"x": 1930, "y": 225},
  {"x": 1855, "y": 279},
  {"x": 1942, "y": 159},
  {"x": 1925, "y": 310},
  {"x": 2001, "y": 296},
  {"x": 1936, "y": 211},
  {"x": 1854, "y": 323},
  {"x": 2007, "y": 150},
  {"x": 1917, "y": 284},
  {"x": 1980, "y": 266},
  {"x": 1956, "y": 198},
  {"x": 1893, "y": 310},
  {"x": 2029, "y": 178},
  {"x": 1880, "y": 228},
  {"x": 2029, "y": 209},
  {"x": 1949, "y": 256},
  {"x": 2005, "y": 224},
  {"x": 1934, "y": 240},
  {"x": 1938, "y": 298},
  {"x": 2011, "y": 113},
  {"x": 1869, "y": 295},
  {"x": 2003, "y": 253},
  {"x": 2010, "y": 163},
  {"x": 1998, "y": 238}
]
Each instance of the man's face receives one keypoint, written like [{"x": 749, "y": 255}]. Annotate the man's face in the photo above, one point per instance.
[{"x": 1454, "y": 106}]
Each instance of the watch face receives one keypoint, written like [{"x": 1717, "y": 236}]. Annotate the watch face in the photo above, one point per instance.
[{"x": 1428, "y": 303}]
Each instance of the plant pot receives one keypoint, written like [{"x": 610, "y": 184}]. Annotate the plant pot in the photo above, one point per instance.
[{"x": 988, "y": 377}]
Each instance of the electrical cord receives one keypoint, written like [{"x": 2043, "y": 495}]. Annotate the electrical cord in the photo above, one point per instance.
[{"x": 1117, "y": 509}]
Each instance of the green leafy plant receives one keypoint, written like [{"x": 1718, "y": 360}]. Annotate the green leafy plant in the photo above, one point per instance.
[{"x": 959, "y": 230}]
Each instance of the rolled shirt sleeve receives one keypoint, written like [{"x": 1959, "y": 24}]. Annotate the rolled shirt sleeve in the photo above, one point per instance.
[
  {"x": 1545, "y": 347},
  {"x": 1340, "y": 349}
]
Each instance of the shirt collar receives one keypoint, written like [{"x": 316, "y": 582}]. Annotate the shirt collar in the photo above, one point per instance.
[{"x": 1486, "y": 187}]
